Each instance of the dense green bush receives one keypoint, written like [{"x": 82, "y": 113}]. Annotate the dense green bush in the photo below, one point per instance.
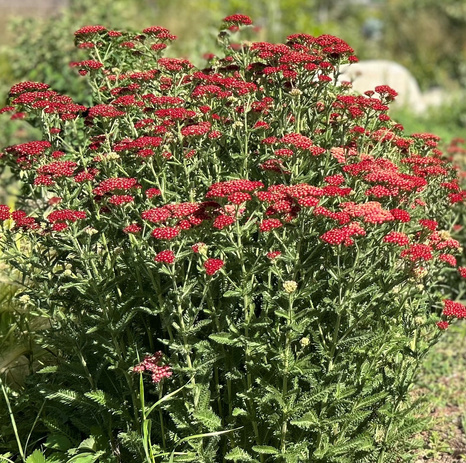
[{"x": 240, "y": 263}]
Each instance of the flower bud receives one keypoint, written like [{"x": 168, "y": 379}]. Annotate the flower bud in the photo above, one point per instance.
[
  {"x": 290, "y": 286},
  {"x": 304, "y": 342},
  {"x": 24, "y": 299}
]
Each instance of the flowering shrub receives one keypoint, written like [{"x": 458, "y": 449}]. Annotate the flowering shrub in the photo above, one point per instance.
[{"x": 272, "y": 246}]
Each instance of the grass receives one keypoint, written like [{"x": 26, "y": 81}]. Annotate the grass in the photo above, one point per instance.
[
  {"x": 447, "y": 121},
  {"x": 442, "y": 380}
]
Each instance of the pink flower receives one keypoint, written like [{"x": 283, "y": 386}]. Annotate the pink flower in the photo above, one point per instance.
[{"x": 151, "y": 363}]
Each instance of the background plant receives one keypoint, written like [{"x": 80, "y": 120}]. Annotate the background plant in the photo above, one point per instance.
[{"x": 253, "y": 236}]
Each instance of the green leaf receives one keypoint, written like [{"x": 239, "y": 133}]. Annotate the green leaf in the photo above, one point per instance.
[
  {"x": 371, "y": 400},
  {"x": 88, "y": 443},
  {"x": 307, "y": 421},
  {"x": 265, "y": 449},
  {"x": 86, "y": 457},
  {"x": 58, "y": 442},
  {"x": 231, "y": 293},
  {"x": 105, "y": 400},
  {"x": 187, "y": 457},
  {"x": 238, "y": 412},
  {"x": 209, "y": 419},
  {"x": 224, "y": 338},
  {"x": 283, "y": 314},
  {"x": 238, "y": 454},
  {"x": 361, "y": 443},
  {"x": 36, "y": 457}
]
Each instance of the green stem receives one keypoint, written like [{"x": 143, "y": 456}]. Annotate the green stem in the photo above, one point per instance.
[
  {"x": 13, "y": 421},
  {"x": 285, "y": 373}
]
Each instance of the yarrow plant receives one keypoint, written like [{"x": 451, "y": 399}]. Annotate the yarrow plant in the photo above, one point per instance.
[{"x": 276, "y": 239}]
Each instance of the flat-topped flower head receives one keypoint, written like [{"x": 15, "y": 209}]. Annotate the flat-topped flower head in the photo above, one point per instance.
[{"x": 238, "y": 20}]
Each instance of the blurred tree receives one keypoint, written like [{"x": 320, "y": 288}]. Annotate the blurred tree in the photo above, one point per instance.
[
  {"x": 43, "y": 47},
  {"x": 428, "y": 37}
]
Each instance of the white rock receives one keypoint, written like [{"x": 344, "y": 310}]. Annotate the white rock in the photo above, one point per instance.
[{"x": 366, "y": 75}]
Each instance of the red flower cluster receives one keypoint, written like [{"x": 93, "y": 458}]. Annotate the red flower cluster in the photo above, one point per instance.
[
  {"x": 343, "y": 235},
  {"x": 89, "y": 30},
  {"x": 397, "y": 238},
  {"x": 133, "y": 228},
  {"x": 222, "y": 189},
  {"x": 417, "y": 252},
  {"x": 86, "y": 65},
  {"x": 115, "y": 184},
  {"x": 454, "y": 309},
  {"x": 21, "y": 220},
  {"x": 104, "y": 110},
  {"x": 165, "y": 233},
  {"x": 297, "y": 140},
  {"x": 28, "y": 87},
  {"x": 158, "y": 32},
  {"x": 196, "y": 130},
  {"x": 238, "y": 19},
  {"x": 273, "y": 254},
  {"x": 269, "y": 224},
  {"x": 223, "y": 221},
  {"x": 5, "y": 213},
  {"x": 119, "y": 200},
  {"x": 213, "y": 265},
  {"x": 151, "y": 363},
  {"x": 58, "y": 169},
  {"x": 66, "y": 215},
  {"x": 448, "y": 258},
  {"x": 370, "y": 212},
  {"x": 167, "y": 257},
  {"x": 429, "y": 224}
]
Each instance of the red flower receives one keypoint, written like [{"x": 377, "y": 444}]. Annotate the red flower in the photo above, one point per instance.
[
  {"x": 27, "y": 87},
  {"x": 297, "y": 140},
  {"x": 151, "y": 192},
  {"x": 238, "y": 197},
  {"x": 167, "y": 257},
  {"x": 343, "y": 235},
  {"x": 454, "y": 309},
  {"x": 90, "y": 30},
  {"x": 418, "y": 252},
  {"x": 442, "y": 325},
  {"x": 284, "y": 152},
  {"x": 223, "y": 221},
  {"x": 238, "y": 19},
  {"x": 104, "y": 110},
  {"x": 269, "y": 224},
  {"x": 448, "y": 258},
  {"x": 213, "y": 265},
  {"x": 397, "y": 238},
  {"x": 133, "y": 228},
  {"x": 196, "y": 130},
  {"x": 273, "y": 254},
  {"x": 400, "y": 215},
  {"x": 221, "y": 189},
  {"x": 113, "y": 184},
  {"x": 151, "y": 363},
  {"x": 5, "y": 213},
  {"x": 119, "y": 200},
  {"x": 86, "y": 65},
  {"x": 66, "y": 215},
  {"x": 165, "y": 233},
  {"x": 429, "y": 224}
]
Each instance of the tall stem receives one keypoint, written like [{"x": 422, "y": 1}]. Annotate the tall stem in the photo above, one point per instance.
[{"x": 285, "y": 372}]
